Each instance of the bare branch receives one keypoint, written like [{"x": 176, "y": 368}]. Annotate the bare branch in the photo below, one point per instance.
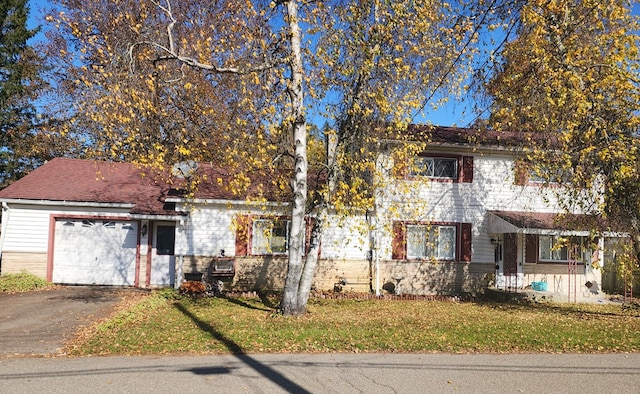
[{"x": 171, "y": 52}]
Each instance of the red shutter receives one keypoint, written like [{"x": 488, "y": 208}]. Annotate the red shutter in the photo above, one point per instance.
[
  {"x": 466, "y": 171},
  {"x": 531, "y": 248},
  {"x": 465, "y": 241},
  {"x": 243, "y": 234},
  {"x": 398, "y": 243},
  {"x": 521, "y": 173}
]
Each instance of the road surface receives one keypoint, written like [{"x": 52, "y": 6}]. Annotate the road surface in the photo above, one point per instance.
[{"x": 325, "y": 373}]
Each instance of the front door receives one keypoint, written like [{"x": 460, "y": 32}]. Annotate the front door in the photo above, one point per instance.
[
  {"x": 510, "y": 260},
  {"x": 163, "y": 260}
]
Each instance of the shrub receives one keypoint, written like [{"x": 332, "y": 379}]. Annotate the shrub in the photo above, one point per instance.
[{"x": 24, "y": 281}]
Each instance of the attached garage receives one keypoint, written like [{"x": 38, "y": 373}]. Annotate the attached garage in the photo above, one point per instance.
[{"x": 94, "y": 251}]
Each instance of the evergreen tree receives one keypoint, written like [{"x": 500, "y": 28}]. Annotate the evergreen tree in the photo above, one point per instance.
[{"x": 19, "y": 78}]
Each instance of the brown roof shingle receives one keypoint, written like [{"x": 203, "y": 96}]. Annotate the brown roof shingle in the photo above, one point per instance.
[{"x": 76, "y": 180}]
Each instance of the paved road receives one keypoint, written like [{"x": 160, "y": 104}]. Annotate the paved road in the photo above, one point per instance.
[
  {"x": 326, "y": 373},
  {"x": 39, "y": 322}
]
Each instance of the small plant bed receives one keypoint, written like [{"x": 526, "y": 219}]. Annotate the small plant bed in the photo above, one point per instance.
[
  {"x": 167, "y": 323},
  {"x": 17, "y": 283}
]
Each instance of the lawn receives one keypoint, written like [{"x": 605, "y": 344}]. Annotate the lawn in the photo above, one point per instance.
[{"x": 164, "y": 324}]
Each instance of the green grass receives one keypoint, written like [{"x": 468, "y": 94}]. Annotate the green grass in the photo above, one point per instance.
[
  {"x": 166, "y": 325},
  {"x": 16, "y": 283}
]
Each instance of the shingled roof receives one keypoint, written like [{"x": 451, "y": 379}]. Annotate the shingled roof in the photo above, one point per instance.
[
  {"x": 87, "y": 181},
  {"x": 478, "y": 136},
  {"x": 75, "y": 180}
]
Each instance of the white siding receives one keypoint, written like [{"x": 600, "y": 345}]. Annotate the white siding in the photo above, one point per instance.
[
  {"x": 27, "y": 226},
  {"x": 208, "y": 229},
  {"x": 493, "y": 188},
  {"x": 345, "y": 238}
]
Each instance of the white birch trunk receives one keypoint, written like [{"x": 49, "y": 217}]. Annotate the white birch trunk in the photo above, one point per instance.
[
  {"x": 311, "y": 261},
  {"x": 290, "y": 304}
]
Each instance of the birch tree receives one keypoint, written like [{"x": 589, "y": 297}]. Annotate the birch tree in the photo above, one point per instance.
[{"x": 366, "y": 67}]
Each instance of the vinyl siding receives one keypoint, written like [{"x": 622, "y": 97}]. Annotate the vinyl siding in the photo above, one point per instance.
[{"x": 27, "y": 226}]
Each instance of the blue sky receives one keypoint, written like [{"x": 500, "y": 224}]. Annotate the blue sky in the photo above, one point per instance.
[{"x": 454, "y": 113}]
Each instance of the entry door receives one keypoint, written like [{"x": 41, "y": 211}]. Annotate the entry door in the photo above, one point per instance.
[
  {"x": 163, "y": 260},
  {"x": 510, "y": 261}
]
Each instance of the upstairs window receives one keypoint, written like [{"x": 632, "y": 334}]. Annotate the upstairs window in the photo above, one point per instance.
[
  {"x": 527, "y": 173},
  {"x": 435, "y": 167},
  {"x": 445, "y": 168}
]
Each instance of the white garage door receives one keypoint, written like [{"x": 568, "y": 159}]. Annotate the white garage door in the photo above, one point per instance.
[{"x": 101, "y": 252}]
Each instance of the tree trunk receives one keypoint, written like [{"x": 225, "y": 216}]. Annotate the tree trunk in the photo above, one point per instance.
[
  {"x": 290, "y": 304},
  {"x": 311, "y": 261}
]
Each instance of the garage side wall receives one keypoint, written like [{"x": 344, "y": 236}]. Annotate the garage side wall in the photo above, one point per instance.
[{"x": 16, "y": 262}]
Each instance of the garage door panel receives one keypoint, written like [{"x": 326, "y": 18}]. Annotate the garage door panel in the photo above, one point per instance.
[{"x": 95, "y": 252}]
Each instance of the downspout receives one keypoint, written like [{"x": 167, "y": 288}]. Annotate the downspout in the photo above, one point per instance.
[
  {"x": 181, "y": 234},
  {"x": 5, "y": 223},
  {"x": 371, "y": 252},
  {"x": 377, "y": 259}
]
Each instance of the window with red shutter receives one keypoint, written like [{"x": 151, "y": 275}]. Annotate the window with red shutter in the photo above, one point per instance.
[{"x": 424, "y": 240}]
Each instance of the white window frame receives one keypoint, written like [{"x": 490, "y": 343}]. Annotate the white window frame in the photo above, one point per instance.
[
  {"x": 265, "y": 242},
  {"x": 549, "y": 252},
  {"x": 432, "y": 167},
  {"x": 581, "y": 250},
  {"x": 431, "y": 241}
]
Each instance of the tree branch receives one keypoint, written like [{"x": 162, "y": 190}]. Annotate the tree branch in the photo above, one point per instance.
[{"x": 172, "y": 53}]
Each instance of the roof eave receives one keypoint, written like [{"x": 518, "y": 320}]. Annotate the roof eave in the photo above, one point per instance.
[{"x": 67, "y": 203}]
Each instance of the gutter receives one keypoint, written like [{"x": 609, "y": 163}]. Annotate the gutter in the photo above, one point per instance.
[
  {"x": 169, "y": 218},
  {"x": 225, "y": 202},
  {"x": 65, "y": 203},
  {"x": 5, "y": 223}
]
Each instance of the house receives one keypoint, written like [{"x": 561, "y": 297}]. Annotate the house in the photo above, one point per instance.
[{"x": 462, "y": 217}]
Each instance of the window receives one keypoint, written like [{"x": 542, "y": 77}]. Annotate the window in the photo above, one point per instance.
[
  {"x": 440, "y": 241},
  {"x": 165, "y": 240},
  {"x": 540, "y": 174},
  {"x": 425, "y": 241},
  {"x": 553, "y": 248},
  {"x": 270, "y": 236},
  {"x": 439, "y": 167},
  {"x": 266, "y": 235},
  {"x": 557, "y": 249},
  {"x": 435, "y": 167}
]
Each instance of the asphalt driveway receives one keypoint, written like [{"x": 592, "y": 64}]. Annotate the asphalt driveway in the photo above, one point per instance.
[{"x": 40, "y": 322}]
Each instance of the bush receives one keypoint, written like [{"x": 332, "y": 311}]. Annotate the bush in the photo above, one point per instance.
[{"x": 24, "y": 281}]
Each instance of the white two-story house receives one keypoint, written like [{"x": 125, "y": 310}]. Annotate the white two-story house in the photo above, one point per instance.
[{"x": 460, "y": 218}]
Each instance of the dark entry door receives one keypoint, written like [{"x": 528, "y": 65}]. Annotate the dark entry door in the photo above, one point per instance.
[{"x": 510, "y": 263}]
